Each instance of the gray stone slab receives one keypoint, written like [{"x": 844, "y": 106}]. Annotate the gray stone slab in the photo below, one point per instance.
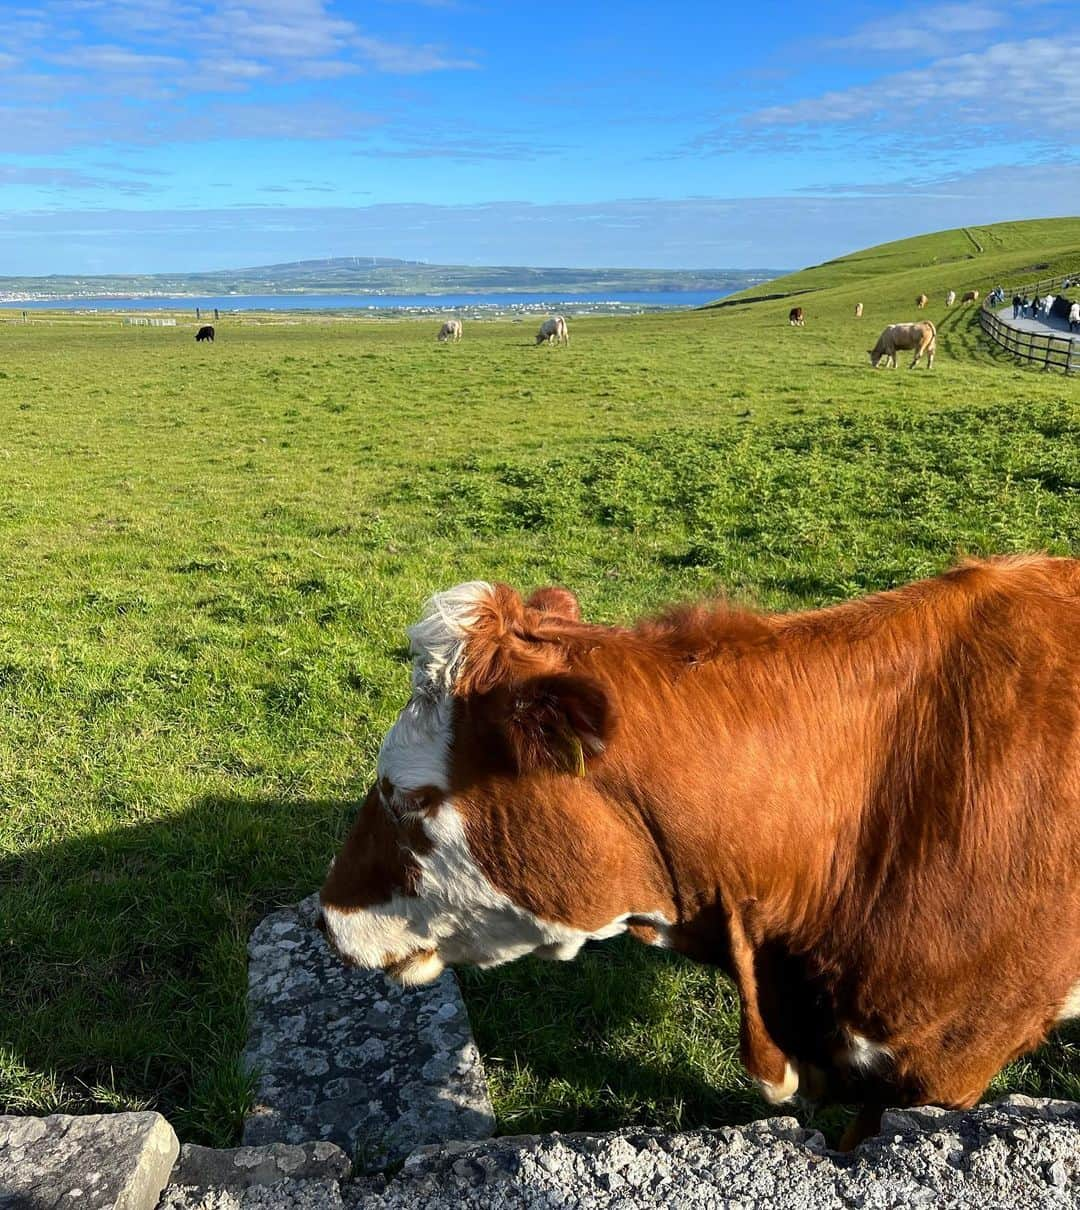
[
  {"x": 1004, "y": 1157},
  {"x": 285, "y": 1195},
  {"x": 111, "y": 1161},
  {"x": 244, "y": 1167},
  {"x": 346, "y": 1056}
]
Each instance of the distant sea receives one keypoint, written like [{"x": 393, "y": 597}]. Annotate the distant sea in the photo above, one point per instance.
[{"x": 645, "y": 300}]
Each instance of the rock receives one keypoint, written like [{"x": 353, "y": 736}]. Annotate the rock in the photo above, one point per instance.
[
  {"x": 285, "y": 1195},
  {"x": 912, "y": 1120},
  {"x": 243, "y": 1167},
  {"x": 348, "y": 1057},
  {"x": 119, "y": 1161},
  {"x": 964, "y": 1161}
]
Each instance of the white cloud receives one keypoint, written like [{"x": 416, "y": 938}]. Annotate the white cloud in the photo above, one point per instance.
[
  {"x": 928, "y": 30},
  {"x": 1032, "y": 84}
]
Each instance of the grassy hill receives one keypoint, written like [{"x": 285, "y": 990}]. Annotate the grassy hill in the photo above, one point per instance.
[
  {"x": 211, "y": 553},
  {"x": 962, "y": 259}
]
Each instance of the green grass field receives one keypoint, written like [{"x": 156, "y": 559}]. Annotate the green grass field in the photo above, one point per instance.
[{"x": 211, "y": 554}]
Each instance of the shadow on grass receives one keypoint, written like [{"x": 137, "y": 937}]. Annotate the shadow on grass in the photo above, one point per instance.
[{"x": 123, "y": 966}]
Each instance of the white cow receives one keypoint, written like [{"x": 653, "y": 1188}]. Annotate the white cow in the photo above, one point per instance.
[
  {"x": 950, "y": 298},
  {"x": 553, "y": 329},
  {"x": 451, "y": 330}
]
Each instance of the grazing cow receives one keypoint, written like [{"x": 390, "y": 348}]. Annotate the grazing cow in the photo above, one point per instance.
[
  {"x": 921, "y": 301},
  {"x": 206, "y": 332},
  {"x": 858, "y": 310},
  {"x": 921, "y": 336},
  {"x": 950, "y": 298},
  {"x": 451, "y": 330},
  {"x": 796, "y": 317},
  {"x": 868, "y": 815},
  {"x": 970, "y": 296},
  {"x": 553, "y": 329}
]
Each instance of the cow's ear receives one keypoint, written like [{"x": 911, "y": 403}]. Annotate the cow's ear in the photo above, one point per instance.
[
  {"x": 558, "y": 722},
  {"x": 556, "y": 601}
]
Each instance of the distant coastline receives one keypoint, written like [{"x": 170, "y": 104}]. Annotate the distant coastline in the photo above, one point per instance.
[
  {"x": 472, "y": 305},
  {"x": 371, "y": 279}
]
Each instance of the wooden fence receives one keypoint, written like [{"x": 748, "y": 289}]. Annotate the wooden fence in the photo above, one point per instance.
[{"x": 1048, "y": 349}]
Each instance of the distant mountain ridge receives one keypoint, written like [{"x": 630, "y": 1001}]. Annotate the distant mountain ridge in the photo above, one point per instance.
[{"x": 379, "y": 275}]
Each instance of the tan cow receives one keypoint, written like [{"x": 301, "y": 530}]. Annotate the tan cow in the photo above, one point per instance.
[
  {"x": 921, "y": 337},
  {"x": 858, "y": 310},
  {"x": 868, "y": 815},
  {"x": 451, "y": 330},
  {"x": 553, "y": 329},
  {"x": 950, "y": 298},
  {"x": 921, "y": 301}
]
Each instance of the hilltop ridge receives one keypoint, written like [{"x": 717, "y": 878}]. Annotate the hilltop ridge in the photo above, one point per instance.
[{"x": 960, "y": 258}]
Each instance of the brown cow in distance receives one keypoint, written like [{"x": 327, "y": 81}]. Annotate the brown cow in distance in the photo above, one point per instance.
[
  {"x": 970, "y": 296},
  {"x": 868, "y": 815},
  {"x": 796, "y": 317}
]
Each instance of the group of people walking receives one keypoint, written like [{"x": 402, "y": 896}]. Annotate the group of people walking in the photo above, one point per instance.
[{"x": 1041, "y": 308}]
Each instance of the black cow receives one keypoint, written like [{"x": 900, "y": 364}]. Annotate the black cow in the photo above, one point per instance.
[{"x": 206, "y": 332}]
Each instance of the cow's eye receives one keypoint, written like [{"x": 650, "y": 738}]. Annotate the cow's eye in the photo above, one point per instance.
[{"x": 388, "y": 796}]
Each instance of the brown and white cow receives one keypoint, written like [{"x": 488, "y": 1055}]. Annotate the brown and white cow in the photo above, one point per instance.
[
  {"x": 796, "y": 317},
  {"x": 921, "y": 301},
  {"x": 921, "y": 336},
  {"x": 970, "y": 296},
  {"x": 868, "y": 815}
]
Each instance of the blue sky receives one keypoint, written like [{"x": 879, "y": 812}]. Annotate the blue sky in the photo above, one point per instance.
[{"x": 170, "y": 135}]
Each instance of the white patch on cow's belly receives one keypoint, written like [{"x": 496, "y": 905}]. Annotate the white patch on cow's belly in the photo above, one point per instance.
[
  {"x": 1071, "y": 1005},
  {"x": 868, "y": 1058}
]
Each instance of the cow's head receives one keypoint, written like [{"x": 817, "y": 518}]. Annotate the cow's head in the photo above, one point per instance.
[{"x": 487, "y": 834}]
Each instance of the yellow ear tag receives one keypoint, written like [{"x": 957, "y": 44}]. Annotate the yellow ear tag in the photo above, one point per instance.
[{"x": 579, "y": 756}]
